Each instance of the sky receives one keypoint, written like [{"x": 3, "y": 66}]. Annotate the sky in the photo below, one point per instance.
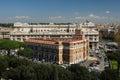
[{"x": 60, "y": 11}]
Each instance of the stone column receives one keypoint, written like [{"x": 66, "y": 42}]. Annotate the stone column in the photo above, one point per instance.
[
  {"x": 15, "y": 38},
  {"x": 97, "y": 46},
  {"x": 11, "y": 37},
  {"x": 21, "y": 39},
  {"x": 93, "y": 46}
]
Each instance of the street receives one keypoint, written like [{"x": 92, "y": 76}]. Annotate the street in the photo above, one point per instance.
[{"x": 97, "y": 56}]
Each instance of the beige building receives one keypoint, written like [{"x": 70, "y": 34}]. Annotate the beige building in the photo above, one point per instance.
[
  {"x": 4, "y": 33},
  {"x": 23, "y": 31},
  {"x": 61, "y": 50}
]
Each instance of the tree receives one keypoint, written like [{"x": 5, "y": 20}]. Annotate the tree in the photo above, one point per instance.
[
  {"x": 13, "y": 68},
  {"x": 63, "y": 74},
  {"x": 20, "y": 73},
  {"x": 117, "y": 38},
  {"x": 26, "y": 52},
  {"x": 11, "y": 74},
  {"x": 3, "y": 64},
  {"x": 111, "y": 56},
  {"x": 28, "y": 70},
  {"x": 109, "y": 74},
  {"x": 10, "y": 45},
  {"x": 81, "y": 73},
  {"x": 115, "y": 56},
  {"x": 55, "y": 73},
  {"x": 100, "y": 35},
  {"x": 6, "y": 24}
]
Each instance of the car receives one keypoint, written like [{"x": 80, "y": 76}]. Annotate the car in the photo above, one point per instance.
[
  {"x": 106, "y": 64},
  {"x": 105, "y": 59},
  {"x": 94, "y": 68},
  {"x": 64, "y": 65},
  {"x": 92, "y": 65},
  {"x": 91, "y": 54},
  {"x": 97, "y": 62}
]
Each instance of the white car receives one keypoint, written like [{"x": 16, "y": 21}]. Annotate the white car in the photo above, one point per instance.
[
  {"x": 106, "y": 64},
  {"x": 94, "y": 68}
]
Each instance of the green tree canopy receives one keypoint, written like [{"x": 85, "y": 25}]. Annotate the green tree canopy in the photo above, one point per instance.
[
  {"x": 109, "y": 74},
  {"x": 117, "y": 38},
  {"x": 81, "y": 73},
  {"x": 10, "y": 45},
  {"x": 115, "y": 56},
  {"x": 6, "y": 24},
  {"x": 26, "y": 52}
]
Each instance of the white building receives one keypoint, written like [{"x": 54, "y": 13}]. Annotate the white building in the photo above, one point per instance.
[
  {"x": 90, "y": 32},
  {"x": 23, "y": 31}
]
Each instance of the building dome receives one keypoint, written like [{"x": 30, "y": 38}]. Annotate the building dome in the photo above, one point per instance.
[
  {"x": 18, "y": 24},
  {"x": 89, "y": 23},
  {"x": 25, "y": 24}
]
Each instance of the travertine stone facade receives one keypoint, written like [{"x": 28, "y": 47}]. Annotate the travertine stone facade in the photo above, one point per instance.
[
  {"x": 23, "y": 31},
  {"x": 90, "y": 32}
]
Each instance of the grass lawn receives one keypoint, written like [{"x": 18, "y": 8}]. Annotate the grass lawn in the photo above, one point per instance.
[{"x": 113, "y": 64}]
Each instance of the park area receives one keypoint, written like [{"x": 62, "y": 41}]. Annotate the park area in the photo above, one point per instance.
[{"x": 113, "y": 64}]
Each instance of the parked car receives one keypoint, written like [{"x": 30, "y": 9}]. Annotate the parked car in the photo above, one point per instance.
[
  {"x": 95, "y": 68},
  {"x": 105, "y": 59},
  {"x": 106, "y": 64},
  {"x": 91, "y": 54},
  {"x": 95, "y": 63}
]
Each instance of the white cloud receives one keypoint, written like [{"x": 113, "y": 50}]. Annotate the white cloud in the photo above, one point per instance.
[
  {"x": 93, "y": 16},
  {"x": 80, "y": 17},
  {"x": 57, "y": 17},
  {"x": 90, "y": 16},
  {"x": 107, "y": 12},
  {"x": 15, "y": 18},
  {"x": 21, "y": 17},
  {"x": 4, "y": 18}
]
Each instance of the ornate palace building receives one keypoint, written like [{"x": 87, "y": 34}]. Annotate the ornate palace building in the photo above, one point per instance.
[
  {"x": 91, "y": 33},
  {"x": 24, "y": 31},
  {"x": 61, "y": 50}
]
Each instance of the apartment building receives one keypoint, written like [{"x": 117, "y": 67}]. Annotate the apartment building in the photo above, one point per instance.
[{"x": 61, "y": 50}]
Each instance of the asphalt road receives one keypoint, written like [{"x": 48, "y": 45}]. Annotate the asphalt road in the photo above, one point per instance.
[{"x": 101, "y": 66}]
